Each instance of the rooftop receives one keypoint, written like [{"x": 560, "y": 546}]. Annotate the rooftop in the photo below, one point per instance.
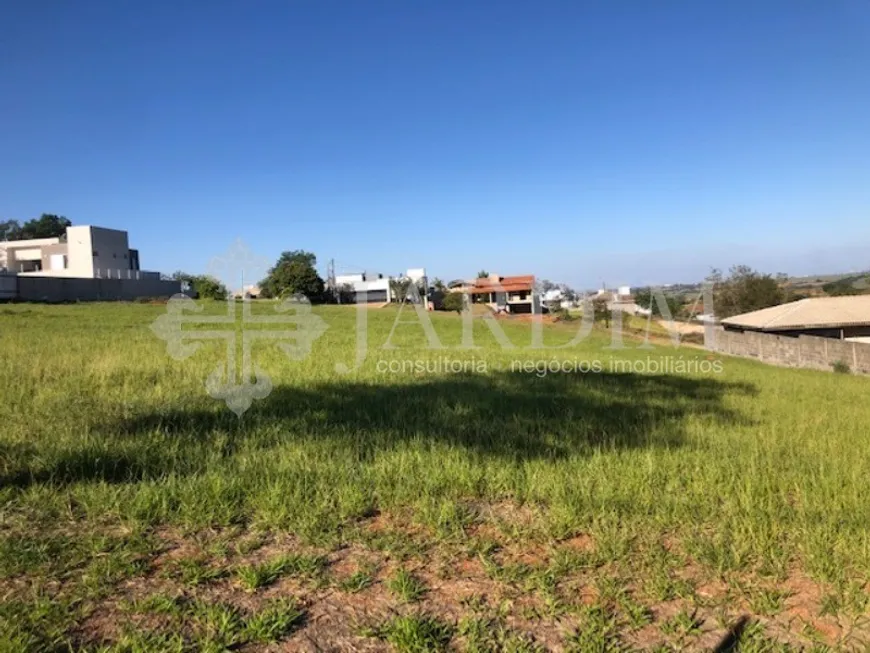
[
  {"x": 494, "y": 283},
  {"x": 811, "y": 313}
]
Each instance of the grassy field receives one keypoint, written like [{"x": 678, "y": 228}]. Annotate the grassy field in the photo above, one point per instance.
[{"x": 409, "y": 505}]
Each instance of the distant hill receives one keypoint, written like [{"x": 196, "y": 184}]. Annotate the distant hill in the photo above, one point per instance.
[{"x": 858, "y": 284}]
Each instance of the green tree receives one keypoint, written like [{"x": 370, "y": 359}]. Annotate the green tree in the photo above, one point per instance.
[
  {"x": 294, "y": 273},
  {"x": 568, "y": 293},
  {"x": 345, "y": 293},
  {"x": 399, "y": 289},
  {"x": 853, "y": 285},
  {"x": 205, "y": 286},
  {"x": 744, "y": 291},
  {"x": 10, "y": 230},
  {"x": 644, "y": 298},
  {"x": 453, "y": 301},
  {"x": 601, "y": 311},
  {"x": 482, "y": 274},
  {"x": 47, "y": 225}
]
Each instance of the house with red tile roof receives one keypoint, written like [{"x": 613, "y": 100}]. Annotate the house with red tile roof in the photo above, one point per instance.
[{"x": 510, "y": 294}]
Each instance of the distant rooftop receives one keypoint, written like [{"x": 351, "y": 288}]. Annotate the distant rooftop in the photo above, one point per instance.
[
  {"x": 811, "y": 313},
  {"x": 496, "y": 283}
]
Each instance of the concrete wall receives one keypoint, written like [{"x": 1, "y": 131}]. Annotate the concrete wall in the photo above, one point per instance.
[
  {"x": 80, "y": 252},
  {"x": 804, "y": 351},
  {"x": 8, "y": 286},
  {"x": 68, "y": 289}
]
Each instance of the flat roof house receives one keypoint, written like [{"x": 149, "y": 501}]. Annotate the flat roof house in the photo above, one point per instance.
[
  {"x": 373, "y": 288},
  {"x": 82, "y": 252},
  {"x": 514, "y": 294},
  {"x": 846, "y": 318}
]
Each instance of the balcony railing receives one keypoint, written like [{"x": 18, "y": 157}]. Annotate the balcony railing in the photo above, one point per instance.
[{"x": 110, "y": 273}]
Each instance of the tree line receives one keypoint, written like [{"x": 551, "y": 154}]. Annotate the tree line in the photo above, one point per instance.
[
  {"x": 741, "y": 290},
  {"x": 48, "y": 225},
  {"x": 294, "y": 273}
]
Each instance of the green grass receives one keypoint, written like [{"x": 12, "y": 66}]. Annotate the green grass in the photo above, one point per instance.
[
  {"x": 259, "y": 575},
  {"x": 406, "y": 586},
  {"x": 196, "y": 571},
  {"x": 357, "y": 582},
  {"x": 598, "y": 631},
  {"x": 274, "y": 621},
  {"x": 683, "y": 624},
  {"x": 110, "y": 448},
  {"x": 208, "y": 624},
  {"x": 415, "y": 633},
  {"x": 481, "y": 635}
]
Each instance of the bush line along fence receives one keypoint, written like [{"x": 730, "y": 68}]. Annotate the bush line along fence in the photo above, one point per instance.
[{"x": 810, "y": 352}]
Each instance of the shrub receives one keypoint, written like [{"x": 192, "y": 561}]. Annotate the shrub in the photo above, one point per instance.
[
  {"x": 204, "y": 286},
  {"x": 454, "y": 301},
  {"x": 209, "y": 288},
  {"x": 841, "y": 367}
]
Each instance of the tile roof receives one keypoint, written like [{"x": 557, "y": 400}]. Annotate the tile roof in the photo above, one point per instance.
[
  {"x": 506, "y": 284},
  {"x": 813, "y": 312}
]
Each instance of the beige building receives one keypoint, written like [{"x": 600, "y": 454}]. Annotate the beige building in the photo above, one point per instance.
[
  {"x": 82, "y": 252},
  {"x": 845, "y": 318}
]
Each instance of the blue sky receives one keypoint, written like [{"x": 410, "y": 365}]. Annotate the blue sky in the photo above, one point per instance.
[{"x": 626, "y": 142}]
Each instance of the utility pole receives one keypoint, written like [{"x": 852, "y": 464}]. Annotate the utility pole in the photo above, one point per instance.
[{"x": 330, "y": 281}]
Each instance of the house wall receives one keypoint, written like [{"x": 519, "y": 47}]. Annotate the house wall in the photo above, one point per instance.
[
  {"x": 28, "y": 254},
  {"x": 371, "y": 297},
  {"x": 522, "y": 308},
  {"x": 835, "y": 332},
  {"x": 804, "y": 351},
  {"x": 112, "y": 251},
  {"x": 377, "y": 290},
  {"x": 348, "y": 279},
  {"x": 23, "y": 250},
  {"x": 80, "y": 249},
  {"x": 50, "y": 251},
  {"x": 68, "y": 289}
]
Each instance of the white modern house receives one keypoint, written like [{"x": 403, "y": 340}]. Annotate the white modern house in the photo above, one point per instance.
[
  {"x": 82, "y": 252},
  {"x": 374, "y": 288},
  {"x": 556, "y": 297}
]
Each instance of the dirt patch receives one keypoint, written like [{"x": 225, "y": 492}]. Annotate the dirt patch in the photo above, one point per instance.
[{"x": 531, "y": 589}]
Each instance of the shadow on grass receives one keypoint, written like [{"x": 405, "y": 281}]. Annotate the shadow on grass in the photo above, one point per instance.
[{"x": 510, "y": 416}]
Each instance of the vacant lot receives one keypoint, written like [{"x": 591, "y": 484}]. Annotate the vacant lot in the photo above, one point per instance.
[{"x": 414, "y": 505}]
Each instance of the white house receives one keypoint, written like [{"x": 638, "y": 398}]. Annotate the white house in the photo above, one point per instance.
[
  {"x": 556, "y": 297},
  {"x": 374, "y": 288},
  {"x": 82, "y": 252}
]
